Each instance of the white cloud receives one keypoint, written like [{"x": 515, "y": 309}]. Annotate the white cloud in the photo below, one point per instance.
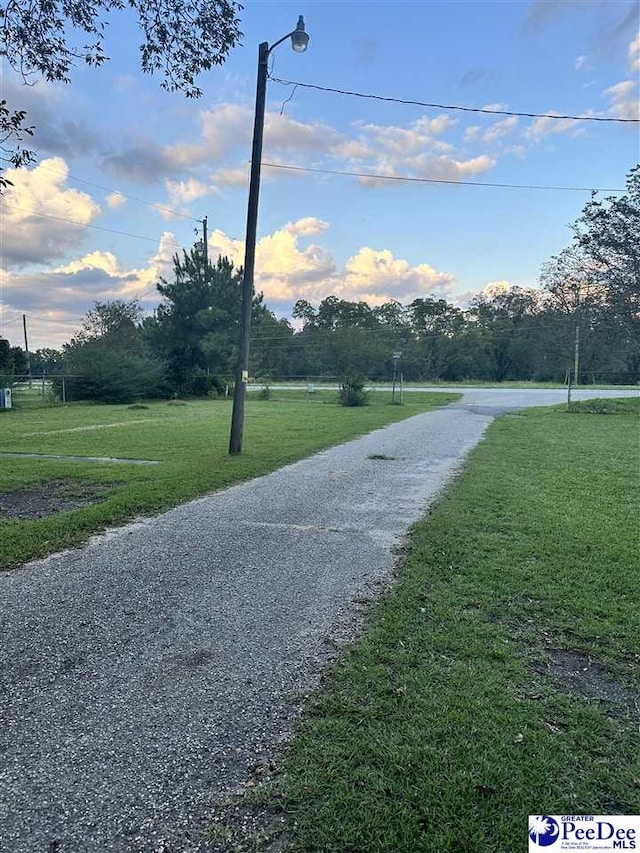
[
  {"x": 61, "y": 297},
  {"x": 307, "y": 227},
  {"x": 43, "y": 218},
  {"x": 377, "y": 275},
  {"x": 496, "y": 288},
  {"x": 287, "y": 271},
  {"x": 115, "y": 200},
  {"x": 231, "y": 176},
  {"x": 442, "y": 168},
  {"x": 290, "y": 264},
  {"x": 548, "y": 126},
  {"x": 414, "y": 151},
  {"x": 581, "y": 63},
  {"x": 494, "y": 133},
  {"x": 182, "y": 193},
  {"x": 489, "y": 291},
  {"x": 623, "y": 97},
  {"x": 285, "y": 135}
]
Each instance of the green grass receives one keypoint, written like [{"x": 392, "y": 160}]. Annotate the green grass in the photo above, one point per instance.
[
  {"x": 441, "y": 729},
  {"x": 191, "y": 440},
  {"x": 607, "y": 406}
]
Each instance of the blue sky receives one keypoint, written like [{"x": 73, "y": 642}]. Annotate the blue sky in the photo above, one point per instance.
[{"x": 322, "y": 234}]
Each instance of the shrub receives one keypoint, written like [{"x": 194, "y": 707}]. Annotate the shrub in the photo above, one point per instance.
[{"x": 352, "y": 391}]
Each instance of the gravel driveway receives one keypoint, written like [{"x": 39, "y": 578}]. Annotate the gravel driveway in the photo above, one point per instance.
[{"x": 142, "y": 675}]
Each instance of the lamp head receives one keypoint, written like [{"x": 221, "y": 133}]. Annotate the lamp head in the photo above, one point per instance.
[{"x": 299, "y": 38}]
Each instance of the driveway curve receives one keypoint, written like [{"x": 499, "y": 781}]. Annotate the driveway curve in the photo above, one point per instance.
[{"x": 143, "y": 674}]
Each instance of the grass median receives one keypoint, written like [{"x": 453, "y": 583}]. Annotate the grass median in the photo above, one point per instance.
[
  {"x": 190, "y": 440},
  {"x": 501, "y": 677}
]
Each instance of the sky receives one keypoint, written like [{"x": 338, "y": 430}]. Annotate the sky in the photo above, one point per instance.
[{"x": 126, "y": 171}]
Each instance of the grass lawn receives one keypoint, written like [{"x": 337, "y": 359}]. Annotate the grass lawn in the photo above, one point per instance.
[
  {"x": 501, "y": 677},
  {"x": 190, "y": 440}
]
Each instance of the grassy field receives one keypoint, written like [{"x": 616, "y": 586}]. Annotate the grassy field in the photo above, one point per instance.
[
  {"x": 189, "y": 439},
  {"x": 501, "y": 678}
]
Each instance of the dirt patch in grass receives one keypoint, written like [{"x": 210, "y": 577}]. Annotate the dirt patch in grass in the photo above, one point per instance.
[
  {"x": 578, "y": 675},
  {"x": 51, "y": 497}
]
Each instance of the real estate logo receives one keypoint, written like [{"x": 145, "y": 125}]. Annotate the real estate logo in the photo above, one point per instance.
[
  {"x": 585, "y": 833},
  {"x": 543, "y": 830}
]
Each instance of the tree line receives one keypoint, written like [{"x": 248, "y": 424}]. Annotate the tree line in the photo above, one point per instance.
[{"x": 585, "y": 316}]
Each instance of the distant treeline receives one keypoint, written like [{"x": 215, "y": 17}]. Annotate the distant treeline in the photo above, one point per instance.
[{"x": 585, "y": 316}]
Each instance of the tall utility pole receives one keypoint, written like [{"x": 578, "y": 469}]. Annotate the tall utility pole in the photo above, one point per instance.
[
  {"x": 299, "y": 41},
  {"x": 576, "y": 354},
  {"x": 204, "y": 240},
  {"x": 26, "y": 346}
]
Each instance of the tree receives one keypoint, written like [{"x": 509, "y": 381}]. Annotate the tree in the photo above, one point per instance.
[
  {"x": 108, "y": 359},
  {"x": 47, "y": 360},
  {"x": 13, "y": 127},
  {"x": 181, "y": 38},
  {"x": 505, "y": 326},
  {"x": 595, "y": 285},
  {"x": 196, "y": 327}
]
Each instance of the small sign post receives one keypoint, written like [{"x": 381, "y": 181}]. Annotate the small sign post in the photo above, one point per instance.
[{"x": 396, "y": 356}]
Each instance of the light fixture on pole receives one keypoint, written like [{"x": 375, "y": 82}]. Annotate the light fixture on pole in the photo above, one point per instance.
[{"x": 299, "y": 42}]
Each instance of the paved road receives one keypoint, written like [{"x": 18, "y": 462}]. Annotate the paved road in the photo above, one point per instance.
[{"x": 143, "y": 674}]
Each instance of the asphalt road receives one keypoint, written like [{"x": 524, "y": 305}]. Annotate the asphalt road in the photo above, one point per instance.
[{"x": 142, "y": 675}]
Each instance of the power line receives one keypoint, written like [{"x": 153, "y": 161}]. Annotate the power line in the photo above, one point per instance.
[
  {"x": 438, "y": 180},
  {"x": 485, "y": 110},
  {"x": 154, "y": 205},
  {"x": 86, "y": 225}
]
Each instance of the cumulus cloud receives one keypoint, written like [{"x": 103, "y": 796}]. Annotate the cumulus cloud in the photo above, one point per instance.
[
  {"x": 61, "y": 297},
  {"x": 377, "y": 275},
  {"x": 414, "y": 151},
  {"x": 43, "y": 219},
  {"x": 182, "y": 193},
  {"x": 287, "y": 271},
  {"x": 115, "y": 200},
  {"x": 231, "y": 176},
  {"x": 489, "y": 291},
  {"x": 552, "y": 126},
  {"x": 291, "y": 264},
  {"x": 495, "y": 133},
  {"x": 307, "y": 226},
  {"x": 623, "y": 97}
]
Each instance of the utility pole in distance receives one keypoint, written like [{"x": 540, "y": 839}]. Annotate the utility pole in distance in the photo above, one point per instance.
[
  {"x": 396, "y": 357},
  {"x": 204, "y": 240},
  {"x": 26, "y": 346}
]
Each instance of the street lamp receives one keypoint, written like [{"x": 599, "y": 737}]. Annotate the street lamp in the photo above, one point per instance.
[{"x": 299, "y": 41}]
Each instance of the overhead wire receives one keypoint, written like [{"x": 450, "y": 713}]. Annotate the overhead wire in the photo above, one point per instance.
[
  {"x": 85, "y": 225},
  {"x": 485, "y": 110},
  {"x": 380, "y": 177},
  {"x": 153, "y": 205}
]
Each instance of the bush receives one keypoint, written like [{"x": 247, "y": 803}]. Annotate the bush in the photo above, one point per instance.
[
  {"x": 103, "y": 375},
  {"x": 352, "y": 391},
  {"x": 202, "y": 384}
]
